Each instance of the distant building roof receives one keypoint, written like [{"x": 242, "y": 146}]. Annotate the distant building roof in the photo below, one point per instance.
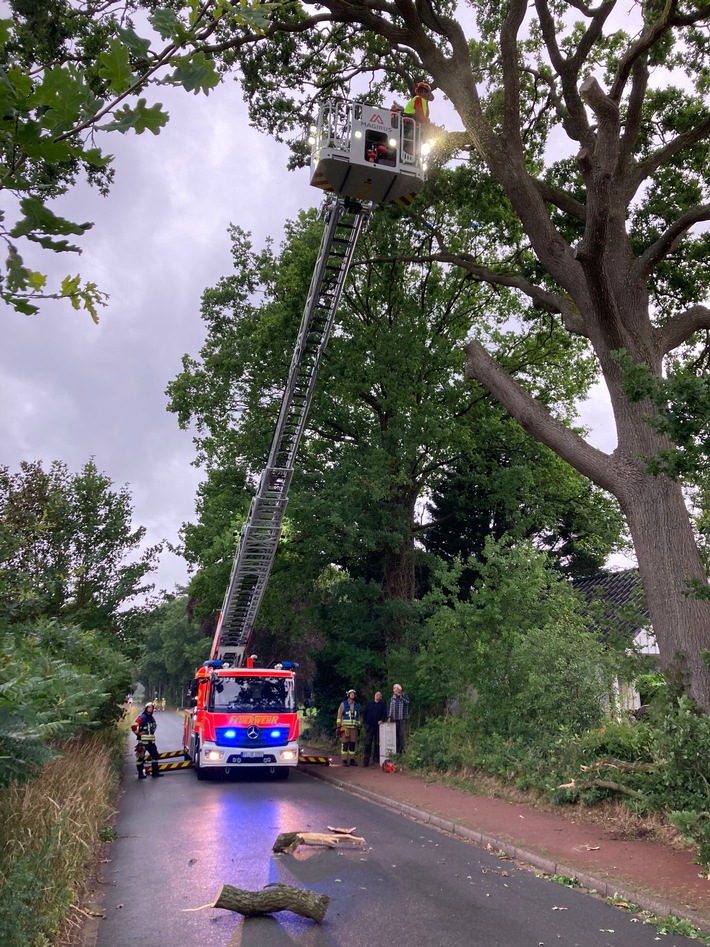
[{"x": 622, "y": 598}]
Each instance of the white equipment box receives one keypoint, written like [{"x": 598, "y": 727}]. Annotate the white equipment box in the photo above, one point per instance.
[{"x": 388, "y": 741}]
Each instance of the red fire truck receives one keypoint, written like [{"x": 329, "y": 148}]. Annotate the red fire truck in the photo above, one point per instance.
[{"x": 242, "y": 718}]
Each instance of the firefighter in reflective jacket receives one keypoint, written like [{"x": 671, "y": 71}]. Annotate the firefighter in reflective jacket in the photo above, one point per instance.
[
  {"x": 418, "y": 106},
  {"x": 144, "y": 727},
  {"x": 348, "y": 728}
]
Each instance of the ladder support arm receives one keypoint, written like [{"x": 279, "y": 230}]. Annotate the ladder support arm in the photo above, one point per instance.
[{"x": 261, "y": 532}]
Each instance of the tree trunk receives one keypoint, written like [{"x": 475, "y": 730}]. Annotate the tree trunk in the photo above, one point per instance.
[
  {"x": 668, "y": 559},
  {"x": 399, "y": 580},
  {"x": 655, "y": 509},
  {"x": 274, "y": 898}
]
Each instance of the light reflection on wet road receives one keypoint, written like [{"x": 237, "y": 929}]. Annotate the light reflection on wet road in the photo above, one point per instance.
[{"x": 180, "y": 840}]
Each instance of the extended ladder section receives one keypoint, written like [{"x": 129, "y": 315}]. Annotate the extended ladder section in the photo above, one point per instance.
[{"x": 261, "y": 533}]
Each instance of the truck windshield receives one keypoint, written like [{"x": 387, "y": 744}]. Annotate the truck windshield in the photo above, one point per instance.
[{"x": 252, "y": 695}]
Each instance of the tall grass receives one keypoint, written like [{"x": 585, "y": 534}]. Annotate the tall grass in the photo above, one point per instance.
[{"x": 50, "y": 831}]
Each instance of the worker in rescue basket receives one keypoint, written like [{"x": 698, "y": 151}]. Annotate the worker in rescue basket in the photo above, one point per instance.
[
  {"x": 418, "y": 106},
  {"x": 144, "y": 727},
  {"x": 348, "y": 728}
]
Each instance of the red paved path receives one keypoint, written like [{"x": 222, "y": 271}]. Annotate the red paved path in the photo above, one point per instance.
[{"x": 657, "y": 878}]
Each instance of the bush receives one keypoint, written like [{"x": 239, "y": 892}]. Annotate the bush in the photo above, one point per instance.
[
  {"x": 441, "y": 745},
  {"x": 55, "y": 682},
  {"x": 49, "y": 829}
]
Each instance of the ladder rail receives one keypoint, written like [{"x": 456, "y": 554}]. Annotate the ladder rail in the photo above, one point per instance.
[{"x": 260, "y": 535}]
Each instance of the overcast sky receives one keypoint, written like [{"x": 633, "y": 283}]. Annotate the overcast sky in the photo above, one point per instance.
[{"x": 71, "y": 390}]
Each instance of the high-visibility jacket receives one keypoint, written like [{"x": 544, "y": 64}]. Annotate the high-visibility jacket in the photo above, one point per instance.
[
  {"x": 144, "y": 728},
  {"x": 418, "y": 108},
  {"x": 349, "y": 715}
]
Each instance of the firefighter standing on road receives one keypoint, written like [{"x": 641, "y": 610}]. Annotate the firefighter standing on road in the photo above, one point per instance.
[
  {"x": 144, "y": 727},
  {"x": 348, "y": 728}
]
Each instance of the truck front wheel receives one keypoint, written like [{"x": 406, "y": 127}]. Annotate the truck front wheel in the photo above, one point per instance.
[{"x": 200, "y": 771}]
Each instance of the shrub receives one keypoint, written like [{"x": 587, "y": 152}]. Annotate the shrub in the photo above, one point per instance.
[
  {"x": 49, "y": 828},
  {"x": 55, "y": 682},
  {"x": 441, "y": 745}
]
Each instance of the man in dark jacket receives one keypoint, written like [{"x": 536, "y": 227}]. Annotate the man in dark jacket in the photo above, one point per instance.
[
  {"x": 373, "y": 715},
  {"x": 144, "y": 727}
]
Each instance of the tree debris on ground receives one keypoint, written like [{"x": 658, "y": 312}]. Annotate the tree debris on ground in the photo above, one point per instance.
[
  {"x": 288, "y": 842},
  {"x": 274, "y": 897}
]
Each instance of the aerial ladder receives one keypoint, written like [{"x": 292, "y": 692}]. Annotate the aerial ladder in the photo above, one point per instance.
[{"x": 361, "y": 156}]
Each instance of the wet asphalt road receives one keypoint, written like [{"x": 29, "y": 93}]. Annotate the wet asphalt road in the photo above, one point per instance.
[{"x": 179, "y": 840}]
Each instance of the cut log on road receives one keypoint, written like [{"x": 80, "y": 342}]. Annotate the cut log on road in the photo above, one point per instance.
[
  {"x": 288, "y": 842},
  {"x": 275, "y": 897}
]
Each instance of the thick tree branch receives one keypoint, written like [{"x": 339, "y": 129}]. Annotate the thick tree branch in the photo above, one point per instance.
[
  {"x": 511, "y": 73},
  {"x": 640, "y": 48},
  {"x": 537, "y": 420},
  {"x": 645, "y": 169},
  {"x": 667, "y": 242},
  {"x": 561, "y": 200},
  {"x": 575, "y": 121},
  {"x": 681, "y": 328},
  {"x": 634, "y": 115}
]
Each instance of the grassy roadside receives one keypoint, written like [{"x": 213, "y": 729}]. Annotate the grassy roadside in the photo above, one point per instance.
[
  {"x": 609, "y": 814},
  {"x": 51, "y": 829}
]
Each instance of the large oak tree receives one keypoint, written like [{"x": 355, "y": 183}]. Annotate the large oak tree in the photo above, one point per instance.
[{"x": 594, "y": 121}]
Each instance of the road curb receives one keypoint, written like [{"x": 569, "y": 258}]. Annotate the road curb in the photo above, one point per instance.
[{"x": 591, "y": 884}]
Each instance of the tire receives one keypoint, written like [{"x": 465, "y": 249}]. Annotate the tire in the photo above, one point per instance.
[
  {"x": 280, "y": 772},
  {"x": 200, "y": 772}
]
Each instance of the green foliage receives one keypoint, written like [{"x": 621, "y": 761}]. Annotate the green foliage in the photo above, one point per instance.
[
  {"x": 353, "y": 652},
  {"x": 511, "y": 485},
  {"x": 137, "y": 119},
  {"x": 210, "y": 544},
  {"x": 55, "y": 681},
  {"x": 66, "y": 542},
  {"x": 391, "y": 420},
  {"x": 517, "y": 657},
  {"x": 680, "y": 927},
  {"x": 67, "y": 608},
  {"x": 680, "y": 737},
  {"x": 657, "y": 765},
  {"x": 442, "y": 745},
  {"x": 619, "y": 740},
  {"x": 49, "y": 833},
  {"x": 68, "y": 73}
]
